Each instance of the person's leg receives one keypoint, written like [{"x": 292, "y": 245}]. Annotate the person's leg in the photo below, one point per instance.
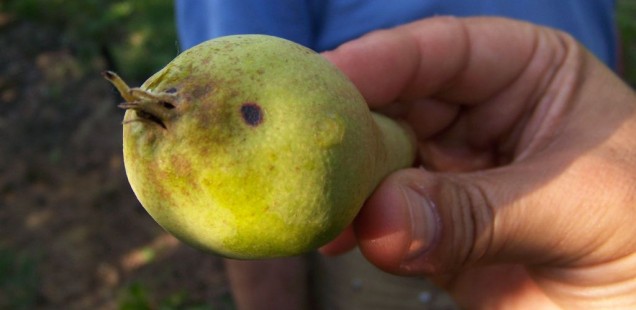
[{"x": 269, "y": 284}]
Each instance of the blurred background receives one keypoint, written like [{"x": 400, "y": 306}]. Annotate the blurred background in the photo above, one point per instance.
[{"x": 72, "y": 234}]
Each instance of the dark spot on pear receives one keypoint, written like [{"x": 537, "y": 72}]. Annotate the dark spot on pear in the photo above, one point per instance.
[
  {"x": 167, "y": 105},
  {"x": 252, "y": 114},
  {"x": 171, "y": 90}
]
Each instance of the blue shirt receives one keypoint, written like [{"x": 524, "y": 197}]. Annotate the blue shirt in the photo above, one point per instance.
[{"x": 325, "y": 24}]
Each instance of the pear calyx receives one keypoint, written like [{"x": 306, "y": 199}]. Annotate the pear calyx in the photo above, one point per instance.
[{"x": 149, "y": 107}]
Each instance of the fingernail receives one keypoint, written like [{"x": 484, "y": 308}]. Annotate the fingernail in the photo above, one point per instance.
[{"x": 425, "y": 223}]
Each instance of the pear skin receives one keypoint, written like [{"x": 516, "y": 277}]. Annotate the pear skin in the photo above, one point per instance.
[{"x": 255, "y": 147}]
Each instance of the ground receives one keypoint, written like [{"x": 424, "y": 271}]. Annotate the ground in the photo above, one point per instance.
[{"x": 72, "y": 234}]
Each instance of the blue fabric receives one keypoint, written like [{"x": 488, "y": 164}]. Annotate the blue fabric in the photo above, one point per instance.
[{"x": 325, "y": 24}]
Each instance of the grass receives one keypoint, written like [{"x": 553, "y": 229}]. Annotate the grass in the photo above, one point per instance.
[
  {"x": 137, "y": 296},
  {"x": 18, "y": 280},
  {"x": 135, "y": 38}
]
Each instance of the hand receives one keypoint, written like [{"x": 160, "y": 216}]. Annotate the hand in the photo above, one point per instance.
[{"x": 526, "y": 197}]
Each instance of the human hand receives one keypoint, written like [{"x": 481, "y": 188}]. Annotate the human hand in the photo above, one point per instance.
[{"x": 527, "y": 193}]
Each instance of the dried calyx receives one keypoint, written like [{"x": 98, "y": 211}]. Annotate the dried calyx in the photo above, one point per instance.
[{"x": 149, "y": 107}]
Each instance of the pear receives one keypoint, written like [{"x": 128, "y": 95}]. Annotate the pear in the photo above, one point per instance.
[{"x": 255, "y": 147}]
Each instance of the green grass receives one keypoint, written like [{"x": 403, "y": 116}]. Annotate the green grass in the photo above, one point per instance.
[
  {"x": 136, "y": 296},
  {"x": 19, "y": 280},
  {"x": 136, "y": 38}
]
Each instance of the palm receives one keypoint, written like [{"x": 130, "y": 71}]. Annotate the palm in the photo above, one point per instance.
[{"x": 497, "y": 287}]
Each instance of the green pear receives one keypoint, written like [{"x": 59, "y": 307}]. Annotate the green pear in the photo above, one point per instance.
[{"x": 255, "y": 147}]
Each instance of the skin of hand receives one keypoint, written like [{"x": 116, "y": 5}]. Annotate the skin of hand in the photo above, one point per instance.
[{"x": 526, "y": 193}]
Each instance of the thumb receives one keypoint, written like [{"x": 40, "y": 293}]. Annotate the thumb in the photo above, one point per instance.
[{"x": 418, "y": 222}]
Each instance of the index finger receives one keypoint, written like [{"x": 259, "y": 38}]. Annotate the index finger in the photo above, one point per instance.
[{"x": 464, "y": 60}]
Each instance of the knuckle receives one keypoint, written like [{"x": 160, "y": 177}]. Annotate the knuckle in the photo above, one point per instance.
[{"x": 468, "y": 214}]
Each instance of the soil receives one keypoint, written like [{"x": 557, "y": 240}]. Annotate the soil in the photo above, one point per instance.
[{"x": 66, "y": 209}]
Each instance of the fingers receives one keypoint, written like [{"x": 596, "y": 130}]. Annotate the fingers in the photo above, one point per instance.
[
  {"x": 465, "y": 60},
  {"x": 467, "y": 86}
]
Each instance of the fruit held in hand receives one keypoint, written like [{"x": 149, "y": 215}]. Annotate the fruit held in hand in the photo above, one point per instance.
[{"x": 254, "y": 147}]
